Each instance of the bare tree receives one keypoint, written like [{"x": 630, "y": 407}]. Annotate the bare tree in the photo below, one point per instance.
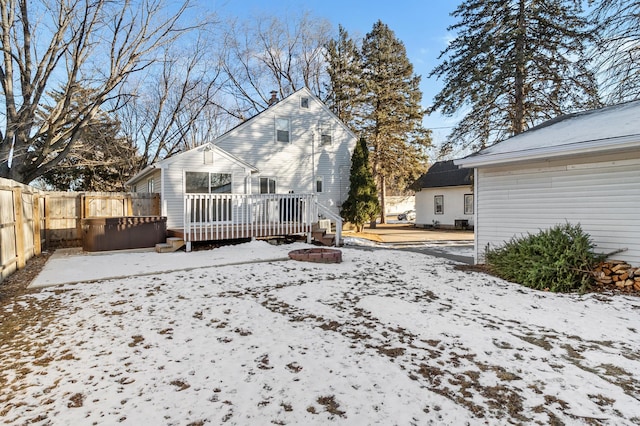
[
  {"x": 272, "y": 53},
  {"x": 65, "y": 45},
  {"x": 617, "y": 53},
  {"x": 172, "y": 106}
]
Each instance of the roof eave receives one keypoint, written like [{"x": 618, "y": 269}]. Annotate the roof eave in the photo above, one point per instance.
[{"x": 599, "y": 146}]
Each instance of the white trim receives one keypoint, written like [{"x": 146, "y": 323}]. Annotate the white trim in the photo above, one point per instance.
[
  {"x": 598, "y": 146},
  {"x": 475, "y": 216}
]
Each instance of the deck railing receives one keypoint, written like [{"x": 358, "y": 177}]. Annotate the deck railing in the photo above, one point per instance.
[{"x": 231, "y": 216}]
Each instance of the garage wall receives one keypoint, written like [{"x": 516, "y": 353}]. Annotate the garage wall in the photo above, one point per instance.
[{"x": 602, "y": 194}]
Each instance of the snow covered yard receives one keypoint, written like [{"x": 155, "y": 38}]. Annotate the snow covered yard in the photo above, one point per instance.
[{"x": 386, "y": 337}]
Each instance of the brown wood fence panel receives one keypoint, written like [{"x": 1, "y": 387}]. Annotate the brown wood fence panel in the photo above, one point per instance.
[
  {"x": 21, "y": 225},
  {"x": 30, "y": 218}
]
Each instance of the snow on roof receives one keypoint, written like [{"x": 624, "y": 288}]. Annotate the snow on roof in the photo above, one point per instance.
[{"x": 604, "y": 129}]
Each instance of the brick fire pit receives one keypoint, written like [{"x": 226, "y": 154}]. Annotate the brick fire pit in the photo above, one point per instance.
[{"x": 317, "y": 255}]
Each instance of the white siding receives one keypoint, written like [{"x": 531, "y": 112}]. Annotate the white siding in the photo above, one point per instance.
[
  {"x": 295, "y": 164},
  {"x": 602, "y": 194},
  {"x": 142, "y": 185},
  {"x": 453, "y": 206},
  {"x": 193, "y": 161}
]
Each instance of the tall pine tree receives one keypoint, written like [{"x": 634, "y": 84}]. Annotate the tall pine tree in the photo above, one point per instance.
[
  {"x": 392, "y": 114},
  {"x": 344, "y": 66},
  {"x": 362, "y": 203},
  {"x": 513, "y": 64}
]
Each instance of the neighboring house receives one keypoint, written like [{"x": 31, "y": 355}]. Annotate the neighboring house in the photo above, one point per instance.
[
  {"x": 296, "y": 146},
  {"x": 444, "y": 197},
  {"x": 581, "y": 168}
]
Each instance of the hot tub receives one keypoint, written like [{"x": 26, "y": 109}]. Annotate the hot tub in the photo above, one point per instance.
[{"x": 121, "y": 233}]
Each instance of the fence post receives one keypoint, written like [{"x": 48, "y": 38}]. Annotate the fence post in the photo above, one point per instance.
[
  {"x": 19, "y": 226},
  {"x": 129, "y": 210},
  {"x": 81, "y": 213},
  {"x": 37, "y": 247},
  {"x": 47, "y": 221}
]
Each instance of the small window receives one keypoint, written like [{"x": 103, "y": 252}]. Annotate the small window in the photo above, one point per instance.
[
  {"x": 150, "y": 186},
  {"x": 438, "y": 204},
  {"x": 319, "y": 183},
  {"x": 282, "y": 130},
  {"x": 468, "y": 203},
  {"x": 326, "y": 134},
  {"x": 267, "y": 185},
  {"x": 208, "y": 155},
  {"x": 135, "y": 188},
  {"x": 304, "y": 102}
]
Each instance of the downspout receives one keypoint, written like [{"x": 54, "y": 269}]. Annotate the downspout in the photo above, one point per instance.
[{"x": 476, "y": 252}]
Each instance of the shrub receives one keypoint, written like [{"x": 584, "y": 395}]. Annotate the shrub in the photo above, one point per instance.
[{"x": 558, "y": 259}]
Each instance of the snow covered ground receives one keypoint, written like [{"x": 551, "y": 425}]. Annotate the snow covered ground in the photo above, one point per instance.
[{"x": 236, "y": 335}]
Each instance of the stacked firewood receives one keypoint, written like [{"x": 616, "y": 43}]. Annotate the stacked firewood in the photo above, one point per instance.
[{"x": 617, "y": 272}]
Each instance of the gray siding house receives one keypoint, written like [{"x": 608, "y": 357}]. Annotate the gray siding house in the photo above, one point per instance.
[{"x": 580, "y": 168}]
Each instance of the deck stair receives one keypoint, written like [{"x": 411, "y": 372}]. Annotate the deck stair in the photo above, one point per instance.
[
  {"x": 172, "y": 244},
  {"x": 321, "y": 233}
]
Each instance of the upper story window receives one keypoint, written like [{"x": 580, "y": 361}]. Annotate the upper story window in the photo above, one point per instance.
[
  {"x": 319, "y": 183},
  {"x": 283, "y": 130},
  {"x": 150, "y": 186},
  {"x": 326, "y": 132},
  {"x": 304, "y": 102}
]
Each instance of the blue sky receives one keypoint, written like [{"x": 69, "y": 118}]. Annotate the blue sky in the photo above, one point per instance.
[{"x": 420, "y": 24}]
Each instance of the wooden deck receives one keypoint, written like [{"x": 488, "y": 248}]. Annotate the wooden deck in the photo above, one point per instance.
[{"x": 232, "y": 232}]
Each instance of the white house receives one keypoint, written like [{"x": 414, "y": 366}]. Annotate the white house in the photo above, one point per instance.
[
  {"x": 581, "y": 168},
  {"x": 296, "y": 147},
  {"x": 444, "y": 197}
]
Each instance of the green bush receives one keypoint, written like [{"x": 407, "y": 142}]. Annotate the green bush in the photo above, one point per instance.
[{"x": 557, "y": 259}]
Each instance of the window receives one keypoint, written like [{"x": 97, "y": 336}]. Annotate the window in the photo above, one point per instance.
[
  {"x": 150, "y": 186},
  {"x": 319, "y": 182},
  {"x": 267, "y": 185},
  {"x": 282, "y": 130},
  {"x": 438, "y": 204},
  {"x": 209, "y": 210},
  {"x": 208, "y": 155},
  {"x": 135, "y": 188},
  {"x": 468, "y": 203},
  {"x": 325, "y": 132},
  {"x": 304, "y": 102}
]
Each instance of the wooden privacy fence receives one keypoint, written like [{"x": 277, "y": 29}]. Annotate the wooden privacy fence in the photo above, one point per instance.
[{"x": 31, "y": 218}]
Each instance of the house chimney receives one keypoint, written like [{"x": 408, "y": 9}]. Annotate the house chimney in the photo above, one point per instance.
[{"x": 274, "y": 98}]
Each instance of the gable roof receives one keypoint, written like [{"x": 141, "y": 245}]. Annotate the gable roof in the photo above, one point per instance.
[
  {"x": 209, "y": 146},
  {"x": 611, "y": 129},
  {"x": 278, "y": 105},
  {"x": 443, "y": 173}
]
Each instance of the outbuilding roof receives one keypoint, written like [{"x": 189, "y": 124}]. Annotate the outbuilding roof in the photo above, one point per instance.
[
  {"x": 611, "y": 129},
  {"x": 443, "y": 173}
]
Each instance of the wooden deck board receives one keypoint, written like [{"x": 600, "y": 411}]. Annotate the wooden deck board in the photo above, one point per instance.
[{"x": 235, "y": 232}]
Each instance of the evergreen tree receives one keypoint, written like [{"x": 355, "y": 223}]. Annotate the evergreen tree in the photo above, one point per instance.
[
  {"x": 513, "y": 64},
  {"x": 392, "y": 114},
  {"x": 99, "y": 160},
  {"x": 362, "y": 204},
  {"x": 344, "y": 67},
  {"x": 617, "y": 56}
]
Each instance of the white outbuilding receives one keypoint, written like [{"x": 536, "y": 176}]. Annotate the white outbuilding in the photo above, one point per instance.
[{"x": 580, "y": 168}]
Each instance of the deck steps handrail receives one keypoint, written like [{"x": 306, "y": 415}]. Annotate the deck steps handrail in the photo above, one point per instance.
[{"x": 325, "y": 211}]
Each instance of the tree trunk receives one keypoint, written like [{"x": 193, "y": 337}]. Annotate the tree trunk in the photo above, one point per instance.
[
  {"x": 519, "y": 95},
  {"x": 383, "y": 194}
]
